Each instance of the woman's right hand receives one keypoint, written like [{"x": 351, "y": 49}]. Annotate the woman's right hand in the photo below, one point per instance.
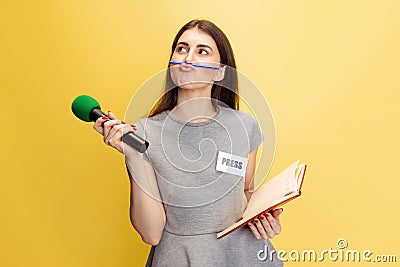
[{"x": 112, "y": 131}]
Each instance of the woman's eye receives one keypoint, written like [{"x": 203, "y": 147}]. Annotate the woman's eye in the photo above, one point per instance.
[
  {"x": 203, "y": 52},
  {"x": 181, "y": 49}
]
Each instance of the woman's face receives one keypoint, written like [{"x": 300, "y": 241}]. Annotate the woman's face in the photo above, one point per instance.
[{"x": 195, "y": 46}]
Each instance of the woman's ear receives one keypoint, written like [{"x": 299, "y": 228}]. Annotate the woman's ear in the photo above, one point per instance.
[{"x": 220, "y": 74}]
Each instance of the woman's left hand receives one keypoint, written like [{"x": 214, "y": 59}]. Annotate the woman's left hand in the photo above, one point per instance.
[{"x": 267, "y": 225}]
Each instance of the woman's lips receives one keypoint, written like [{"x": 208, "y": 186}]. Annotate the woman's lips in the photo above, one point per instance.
[{"x": 186, "y": 68}]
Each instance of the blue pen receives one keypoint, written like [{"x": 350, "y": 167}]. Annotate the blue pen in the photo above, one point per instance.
[{"x": 194, "y": 65}]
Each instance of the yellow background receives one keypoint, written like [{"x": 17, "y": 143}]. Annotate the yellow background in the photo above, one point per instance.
[{"x": 329, "y": 70}]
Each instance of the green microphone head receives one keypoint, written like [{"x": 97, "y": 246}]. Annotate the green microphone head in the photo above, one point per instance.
[{"x": 83, "y": 105}]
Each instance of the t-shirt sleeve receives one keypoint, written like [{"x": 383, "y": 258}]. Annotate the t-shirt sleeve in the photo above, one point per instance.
[
  {"x": 140, "y": 130},
  {"x": 256, "y": 136}
]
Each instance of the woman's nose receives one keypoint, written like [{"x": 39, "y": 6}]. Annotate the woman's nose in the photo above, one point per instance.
[{"x": 189, "y": 57}]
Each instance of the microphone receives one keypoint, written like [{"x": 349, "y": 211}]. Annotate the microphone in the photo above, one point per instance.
[{"x": 88, "y": 109}]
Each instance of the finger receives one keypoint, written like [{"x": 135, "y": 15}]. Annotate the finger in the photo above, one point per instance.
[
  {"x": 274, "y": 223},
  {"x": 267, "y": 226},
  {"x": 108, "y": 125},
  {"x": 254, "y": 230},
  {"x": 112, "y": 115},
  {"x": 98, "y": 124},
  {"x": 276, "y": 213},
  {"x": 260, "y": 228},
  {"x": 115, "y": 135}
]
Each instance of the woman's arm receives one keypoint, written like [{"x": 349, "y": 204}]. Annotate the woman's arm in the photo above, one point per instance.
[
  {"x": 267, "y": 225},
  {"x": 249, "y": 181},
  {"x": 146, "y": 211}
]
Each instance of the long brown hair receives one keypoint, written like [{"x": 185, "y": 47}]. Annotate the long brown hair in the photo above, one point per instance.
[{"x": 225, "y": 91}]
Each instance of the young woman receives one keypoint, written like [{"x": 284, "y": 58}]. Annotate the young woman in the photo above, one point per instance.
[{"x": 179, "y": 200}]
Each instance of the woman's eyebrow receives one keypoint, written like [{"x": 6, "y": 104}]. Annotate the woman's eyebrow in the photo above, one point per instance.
[
  {"x": 207, "y": 46},
  {"x": 183, "y": 43},
  {"x": 199, "y": 45}
]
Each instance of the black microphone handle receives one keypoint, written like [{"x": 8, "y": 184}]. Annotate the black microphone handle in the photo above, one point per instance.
[
  {"x": 95, "y": 114},
  {"x": 135, "y": 141},
  {"x": 129, "y": 138}
]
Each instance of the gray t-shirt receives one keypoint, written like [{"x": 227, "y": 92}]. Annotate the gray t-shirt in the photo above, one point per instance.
[{"x": 199, "y": 200}]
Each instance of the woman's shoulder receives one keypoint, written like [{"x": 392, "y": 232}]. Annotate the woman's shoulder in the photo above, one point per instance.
[
  {"x": 239, "y": 114},
  {"x": 152, "y": 123}
]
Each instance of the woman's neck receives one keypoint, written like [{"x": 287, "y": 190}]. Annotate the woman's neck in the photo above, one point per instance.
[{"x": 194, "y": 106}]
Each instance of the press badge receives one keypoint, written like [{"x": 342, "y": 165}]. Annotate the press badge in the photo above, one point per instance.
[{"x": 232, "y": 164}]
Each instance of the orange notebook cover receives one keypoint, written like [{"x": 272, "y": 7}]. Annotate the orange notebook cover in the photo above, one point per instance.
[{"x": 272, "y": 194}]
